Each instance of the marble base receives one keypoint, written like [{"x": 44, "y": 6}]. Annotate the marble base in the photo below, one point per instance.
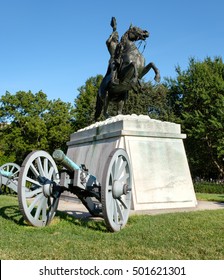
[{"x": 161, "y": 176}]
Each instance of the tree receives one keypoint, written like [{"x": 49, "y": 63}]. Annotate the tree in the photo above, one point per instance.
[
  {"x": 197, "y": 97},
  {"x": 33, "y": 123},
  {"x": 86, "y": 101},
  {"x": 151, "y": 100},
  {"x": 59, "y": 121}
]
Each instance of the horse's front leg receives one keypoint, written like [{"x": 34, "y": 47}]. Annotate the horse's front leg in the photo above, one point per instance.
[
  {"x": 120, "y": 106},
  {"x": 135, "y": 77},
  {"x": 105, "y": 106},
  {"x": 156, "y": 70}
]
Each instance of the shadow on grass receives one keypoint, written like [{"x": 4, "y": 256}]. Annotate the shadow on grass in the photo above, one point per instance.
[
  {"x": 218, "y": 200},
  {"x": 12, "y": 213},
  {"x": 86, "y": 221},
  {"x": 221, "y": 202}
]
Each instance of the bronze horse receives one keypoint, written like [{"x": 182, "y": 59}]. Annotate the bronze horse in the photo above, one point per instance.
[{"x": 128, "y": 65}]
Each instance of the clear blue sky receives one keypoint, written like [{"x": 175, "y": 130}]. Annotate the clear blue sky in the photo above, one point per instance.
[{"x": 56, "y": 45}]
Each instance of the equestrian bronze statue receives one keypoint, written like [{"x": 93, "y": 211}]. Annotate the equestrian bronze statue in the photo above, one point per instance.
[{"x": 125, "y": 70}]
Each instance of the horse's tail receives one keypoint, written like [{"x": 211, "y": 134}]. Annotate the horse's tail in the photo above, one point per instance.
[{"x": 99, "y": 107}]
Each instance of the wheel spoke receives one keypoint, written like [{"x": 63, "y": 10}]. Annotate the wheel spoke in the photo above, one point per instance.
[
  {"x": 124, "y": 203},
  {"x": 7, "y": 168},
  {"x": 50, "y": 172},
  {"x": 110, "y": 203},
  {"x": 40, "y": 206},
  {"x": 34, "y": 202},
  {"x": 44, "y": 211},
  {"x": 34, "y": 170},
  {"x": 30, "y": 194},
  {"x": 124, "y": 177},
  {"x": 46, "y": 167},
  {"x": 119, "y": 211},
  {"x": 52, "y": 208},
  {"x": 115, "y": 212},
  {"x": 117, "y": 167},
  {"x": 121, "y": 169},
  {"x": 113, "y": 171},
  {"x": 15, "y": 173},
  {"x": 40, "y": 167},
  {"x": 34, "y": 182},
  {"x": 13, "y": 170}
]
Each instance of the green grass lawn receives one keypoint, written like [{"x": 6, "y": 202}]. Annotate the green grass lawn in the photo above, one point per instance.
[
  {"x": 189, "y": 235},
  {"x": 210, "y": 197}
]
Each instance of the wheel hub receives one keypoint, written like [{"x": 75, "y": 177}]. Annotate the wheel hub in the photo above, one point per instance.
[
  {"x": 119, "y": 189},
  {"x": 47, "y": 190},
  {"x": 47, "y": 186}
]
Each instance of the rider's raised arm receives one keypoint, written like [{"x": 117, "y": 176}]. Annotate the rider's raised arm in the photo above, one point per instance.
[{"x": 113, "y": 23}]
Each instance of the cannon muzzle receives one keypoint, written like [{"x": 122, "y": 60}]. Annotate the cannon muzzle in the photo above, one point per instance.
[
  {"x": 7, "y": 174},
  {"x": 66, "y": 162}
]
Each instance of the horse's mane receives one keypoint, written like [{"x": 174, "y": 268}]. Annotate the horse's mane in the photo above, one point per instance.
[{"x": 122, "y": 43}]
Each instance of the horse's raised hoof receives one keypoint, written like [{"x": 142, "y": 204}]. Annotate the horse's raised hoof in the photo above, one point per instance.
[{"x": 157, "y": 78}]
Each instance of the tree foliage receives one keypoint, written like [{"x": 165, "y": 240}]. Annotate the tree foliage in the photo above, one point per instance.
[
  {"x": 197, "y": 97},
  {"x": 33, "y": 123},
  {"x": 86, "y": 101},
  {"x": 151, "y": 100}
]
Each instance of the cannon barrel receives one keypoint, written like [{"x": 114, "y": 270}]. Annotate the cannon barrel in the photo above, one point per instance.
[
  {"x": 61, "y": 158},
  {"x": 7, "y": 174}
]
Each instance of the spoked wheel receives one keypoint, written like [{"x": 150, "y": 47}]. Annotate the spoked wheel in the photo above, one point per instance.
[
  {"x": 38, "y": 193},
  {"x": 116, "y": 190},
  {"x": 12, "y": 169}
]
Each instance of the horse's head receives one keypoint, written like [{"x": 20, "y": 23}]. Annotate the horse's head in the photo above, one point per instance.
[{"x": 135, "y": 33}]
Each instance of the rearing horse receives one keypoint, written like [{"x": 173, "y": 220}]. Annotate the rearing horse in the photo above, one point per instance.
[{"x": 130, "y": 68}]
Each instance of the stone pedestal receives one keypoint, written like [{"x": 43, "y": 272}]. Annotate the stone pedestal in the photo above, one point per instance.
[{"x": 161, "y": 176}]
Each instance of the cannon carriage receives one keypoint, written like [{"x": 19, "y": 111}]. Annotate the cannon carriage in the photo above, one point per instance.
[{"x": 42, "y": 179}]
